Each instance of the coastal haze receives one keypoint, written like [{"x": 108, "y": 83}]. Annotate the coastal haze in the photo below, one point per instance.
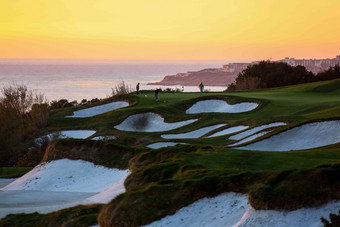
[{"x": 87, "y": 79}]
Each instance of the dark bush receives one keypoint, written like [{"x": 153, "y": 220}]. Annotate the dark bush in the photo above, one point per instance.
[
  {"x": 334, "y": 220},
  {"x": 62, "y": 103},
  {"x": 22, "y": 112},
  {"x": 268, "y": 74}
]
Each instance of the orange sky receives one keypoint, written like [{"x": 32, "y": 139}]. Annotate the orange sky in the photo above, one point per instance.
[{"x": 169, "y": 29}]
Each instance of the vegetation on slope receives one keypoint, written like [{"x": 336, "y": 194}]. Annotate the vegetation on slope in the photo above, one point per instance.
[
  {"x": 268, "y": 74},
  {"x": 22, "y": 112},
  {"x": 166, "y": 179},
  {"x": 98, "y": 152}
]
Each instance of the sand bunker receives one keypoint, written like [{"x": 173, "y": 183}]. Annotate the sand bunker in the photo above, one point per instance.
[
  {"x": 252, "y": 137},
  {"x": 108, "y": 194},
  {"x": 224, "y": 210},
  {"x": 220, "y": 106},
  {"x": 60, "y": 184},
  {"x": 307, "y": 136},
  {"x": 104, "y": 138},
  {"x": 74, "y": 134},
  {"x": 67, "y": 175},
  {"x": 149, "y": 122},
  {"x": 229, "y": 131},
  {"x": 255, "y": 130},
  {"x": 96, "y": 110},
  {"x": 162, "y": 144},
  {"x": 193, "y": 134},
  {"x": 232, "y": 209}
]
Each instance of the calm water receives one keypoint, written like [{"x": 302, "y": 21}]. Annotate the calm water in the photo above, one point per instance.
[{"x": 78, "y": 79}]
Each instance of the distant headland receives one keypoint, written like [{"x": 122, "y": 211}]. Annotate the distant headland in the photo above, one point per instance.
[{"x": 227, "y": 74}]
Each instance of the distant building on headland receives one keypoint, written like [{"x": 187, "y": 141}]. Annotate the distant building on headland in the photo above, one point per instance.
[
  {"x": 235, "y": 67},
  {"x": 313, "y": 65}
]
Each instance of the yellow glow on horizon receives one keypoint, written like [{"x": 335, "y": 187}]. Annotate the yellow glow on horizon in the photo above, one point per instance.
[{"x": 169, "y": 29}]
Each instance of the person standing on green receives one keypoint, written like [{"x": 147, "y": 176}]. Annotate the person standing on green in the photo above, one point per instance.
[{"x": 201, "y": 86}]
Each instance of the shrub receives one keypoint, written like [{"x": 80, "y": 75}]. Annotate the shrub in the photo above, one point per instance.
[
  {"x": 268, "y": 74},
  {"x": 121, "y": 88},
  {"x": 17, "y": 97},
  {"x": 334, "y": 218},
  {"x": 62, "y": 103},
  {"x": 330, "y": 74},
  {"x": 22, "y": 112}
]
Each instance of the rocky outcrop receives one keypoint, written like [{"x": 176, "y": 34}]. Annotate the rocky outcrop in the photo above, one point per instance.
[{"x": 209, "y": 77}]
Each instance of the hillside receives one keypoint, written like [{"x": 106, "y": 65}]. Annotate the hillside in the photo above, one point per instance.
[{"x": 216, "y": 129}]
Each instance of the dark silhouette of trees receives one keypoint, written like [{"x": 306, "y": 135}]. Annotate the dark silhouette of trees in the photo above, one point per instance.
[
  {"x": 329, "y": 74},
  {"x": 268, "y": 74},
  {"x": 22, "y": 113}
]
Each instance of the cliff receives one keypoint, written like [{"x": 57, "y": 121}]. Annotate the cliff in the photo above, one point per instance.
[{"x": 209, "y": 77}]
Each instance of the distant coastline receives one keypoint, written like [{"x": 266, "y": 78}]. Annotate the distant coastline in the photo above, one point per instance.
[{"x": 227, "y": 73}]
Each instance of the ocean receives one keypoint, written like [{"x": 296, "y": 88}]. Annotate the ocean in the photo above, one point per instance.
[{"x": 87, "y": 79}]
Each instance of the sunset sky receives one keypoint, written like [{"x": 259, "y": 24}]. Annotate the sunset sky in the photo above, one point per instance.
[{"x": 169, "y": 29}]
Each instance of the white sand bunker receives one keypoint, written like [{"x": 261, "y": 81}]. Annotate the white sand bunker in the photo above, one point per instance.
[
  {"x": 60, "y": 184},
  {"x": 149, "y": 122},
  {"x": 255, "y": 130},
  {"x": 232, "y": 209},
  {"x": 307, "y": 136},
  {"x": 252, "y": 137},
  {"x": 67, "y": 175},
  {"x": 104, "y": 138},
  {"x": 229, "y": 131},
  {"x": 108, "y": 194},
  {"x": 162, "y": 144},
  {"x": 74, "y": 134},
  {"x": 96, "y": 110},
  {"x": 193, "y": 134},
  {"x": 220, "y": 106}
]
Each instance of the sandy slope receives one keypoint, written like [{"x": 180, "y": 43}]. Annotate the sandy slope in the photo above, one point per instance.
[
  {"x": 96, "y": 110},
  {"x": 307, "y": 136},
  {"x": 192, "y": 134},
  {"x": 67, "y": 175},
  {"x": 59, "y": 184},
  {"x": 220, "y": 106},
  {"x": 232, "y": 209},
  {"x": 255, "y": 130},
  {"x": 229, "y": 131},
  {"x": 74, "y": 134},
  {"x": 252, "y": 137}
]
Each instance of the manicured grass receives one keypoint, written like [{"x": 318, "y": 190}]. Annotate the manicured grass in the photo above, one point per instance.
[{"x": 12, "y": 172}]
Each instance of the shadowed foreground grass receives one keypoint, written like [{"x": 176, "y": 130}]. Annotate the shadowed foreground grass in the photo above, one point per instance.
[{"x": 78, "y": 216}]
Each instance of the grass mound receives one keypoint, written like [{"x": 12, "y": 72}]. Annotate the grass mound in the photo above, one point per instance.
[
  {"x": 295, "y": 189},
  {"x": 97, "y": 152}
]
